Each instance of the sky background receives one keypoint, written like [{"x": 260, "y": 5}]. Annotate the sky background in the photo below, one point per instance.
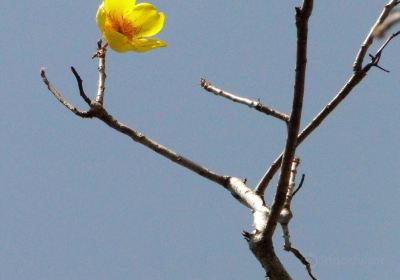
[{"x": 81, "y": 201}]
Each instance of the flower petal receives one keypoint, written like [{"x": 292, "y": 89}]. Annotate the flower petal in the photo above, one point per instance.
[
  {"x": 118, "y": 6},
  {"x": 117, "y": 41},
  {"x": 101, "y": 17},
  {"x": 145, "y": 17},
  {"x": 144, "y": 45}
]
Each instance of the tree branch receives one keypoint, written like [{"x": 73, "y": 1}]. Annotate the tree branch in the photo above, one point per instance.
[
  {"x": 357, "y": 65},
  {"x": 287, "y": 246},
  {"x": 245, "y": 101},
  {"x": 352, "y": 82},
  {"x": 292, "y": 183},
  {"x": 302, "y": 16},
  {"x": 101, "y": 55},
  {"x": 60, "y": 98},
  {"x": 260, "y": 242}
]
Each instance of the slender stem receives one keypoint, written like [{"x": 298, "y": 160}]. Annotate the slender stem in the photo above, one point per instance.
[
  {"x": 97, "y": 110},
  {"x": 160, "y": 149},
  {"x": 302, "y": 16},
  {"x": 101, "y": 55},
  {"x": 245, "y": 101},
  {"x": 61, "y": 99},
  {"x": 80, "y": 86}
]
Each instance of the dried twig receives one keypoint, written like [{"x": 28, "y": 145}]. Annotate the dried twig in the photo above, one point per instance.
[
  {"x": 303, "y": 176},
  {"x": 62, "y": 100},
  {"x": 245, "y": 101},
  {"x": 285, "y": 223},
  {"x": 80, "y": 86},
  {"x": 236, "y": 186},
  {"x": 97, "y": 110},
  {"x": 303, "y": 260}
]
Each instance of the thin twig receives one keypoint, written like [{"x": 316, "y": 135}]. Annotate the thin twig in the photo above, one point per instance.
[
  {"x": 377, "y": 57},
  {"x": 245, "y": 101},
  {"x": 303, "y": 176},
  {"x": 353, "y": 81},
  {"x": 285, "y": 223},
  {"x": 303, "y": 260},
  {"x": 160, "y": 149},
  {"x": 97, "y": 110},
  {"x": 357, "y": 65},
  {"x": 62, "y": 100},
  {"x": 80, "y": 86}
]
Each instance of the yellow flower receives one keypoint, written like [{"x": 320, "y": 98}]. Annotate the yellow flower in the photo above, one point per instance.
[{"x": 126, "y": 26}]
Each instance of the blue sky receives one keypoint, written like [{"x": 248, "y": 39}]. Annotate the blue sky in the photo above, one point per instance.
[{"x": 80, "y": 201}]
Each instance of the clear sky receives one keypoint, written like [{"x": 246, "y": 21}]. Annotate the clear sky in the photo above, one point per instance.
[{"x": 80, "y": 201}]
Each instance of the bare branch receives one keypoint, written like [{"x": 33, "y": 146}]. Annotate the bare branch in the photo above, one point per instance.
[
  {"x": 260, "y": 242},
  {"x": 357, "y": 65},
  {"x": 302, "y": 16},
  {"x": 60, "y": 98},
  {"x": 285, "y": 223},
  {"x": 103, "y": 115},
  {"x": 245, "y": 101},
  {"x": 80, "y": 86},
  {"x": 353, "y": 81},
  {"x": 101, "y": 55},
  {"x": 246, "y": 196},
  {"x": 97, "y": 110},
  {"x": 304, "y": 261},
  {"x": 288, "y": 247}
]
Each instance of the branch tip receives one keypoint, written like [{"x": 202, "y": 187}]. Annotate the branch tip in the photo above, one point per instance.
[
  {"x": 303, "y": 176},
  {"x": 243, "y": 100},
  {"x": 80, "y": 86}
]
